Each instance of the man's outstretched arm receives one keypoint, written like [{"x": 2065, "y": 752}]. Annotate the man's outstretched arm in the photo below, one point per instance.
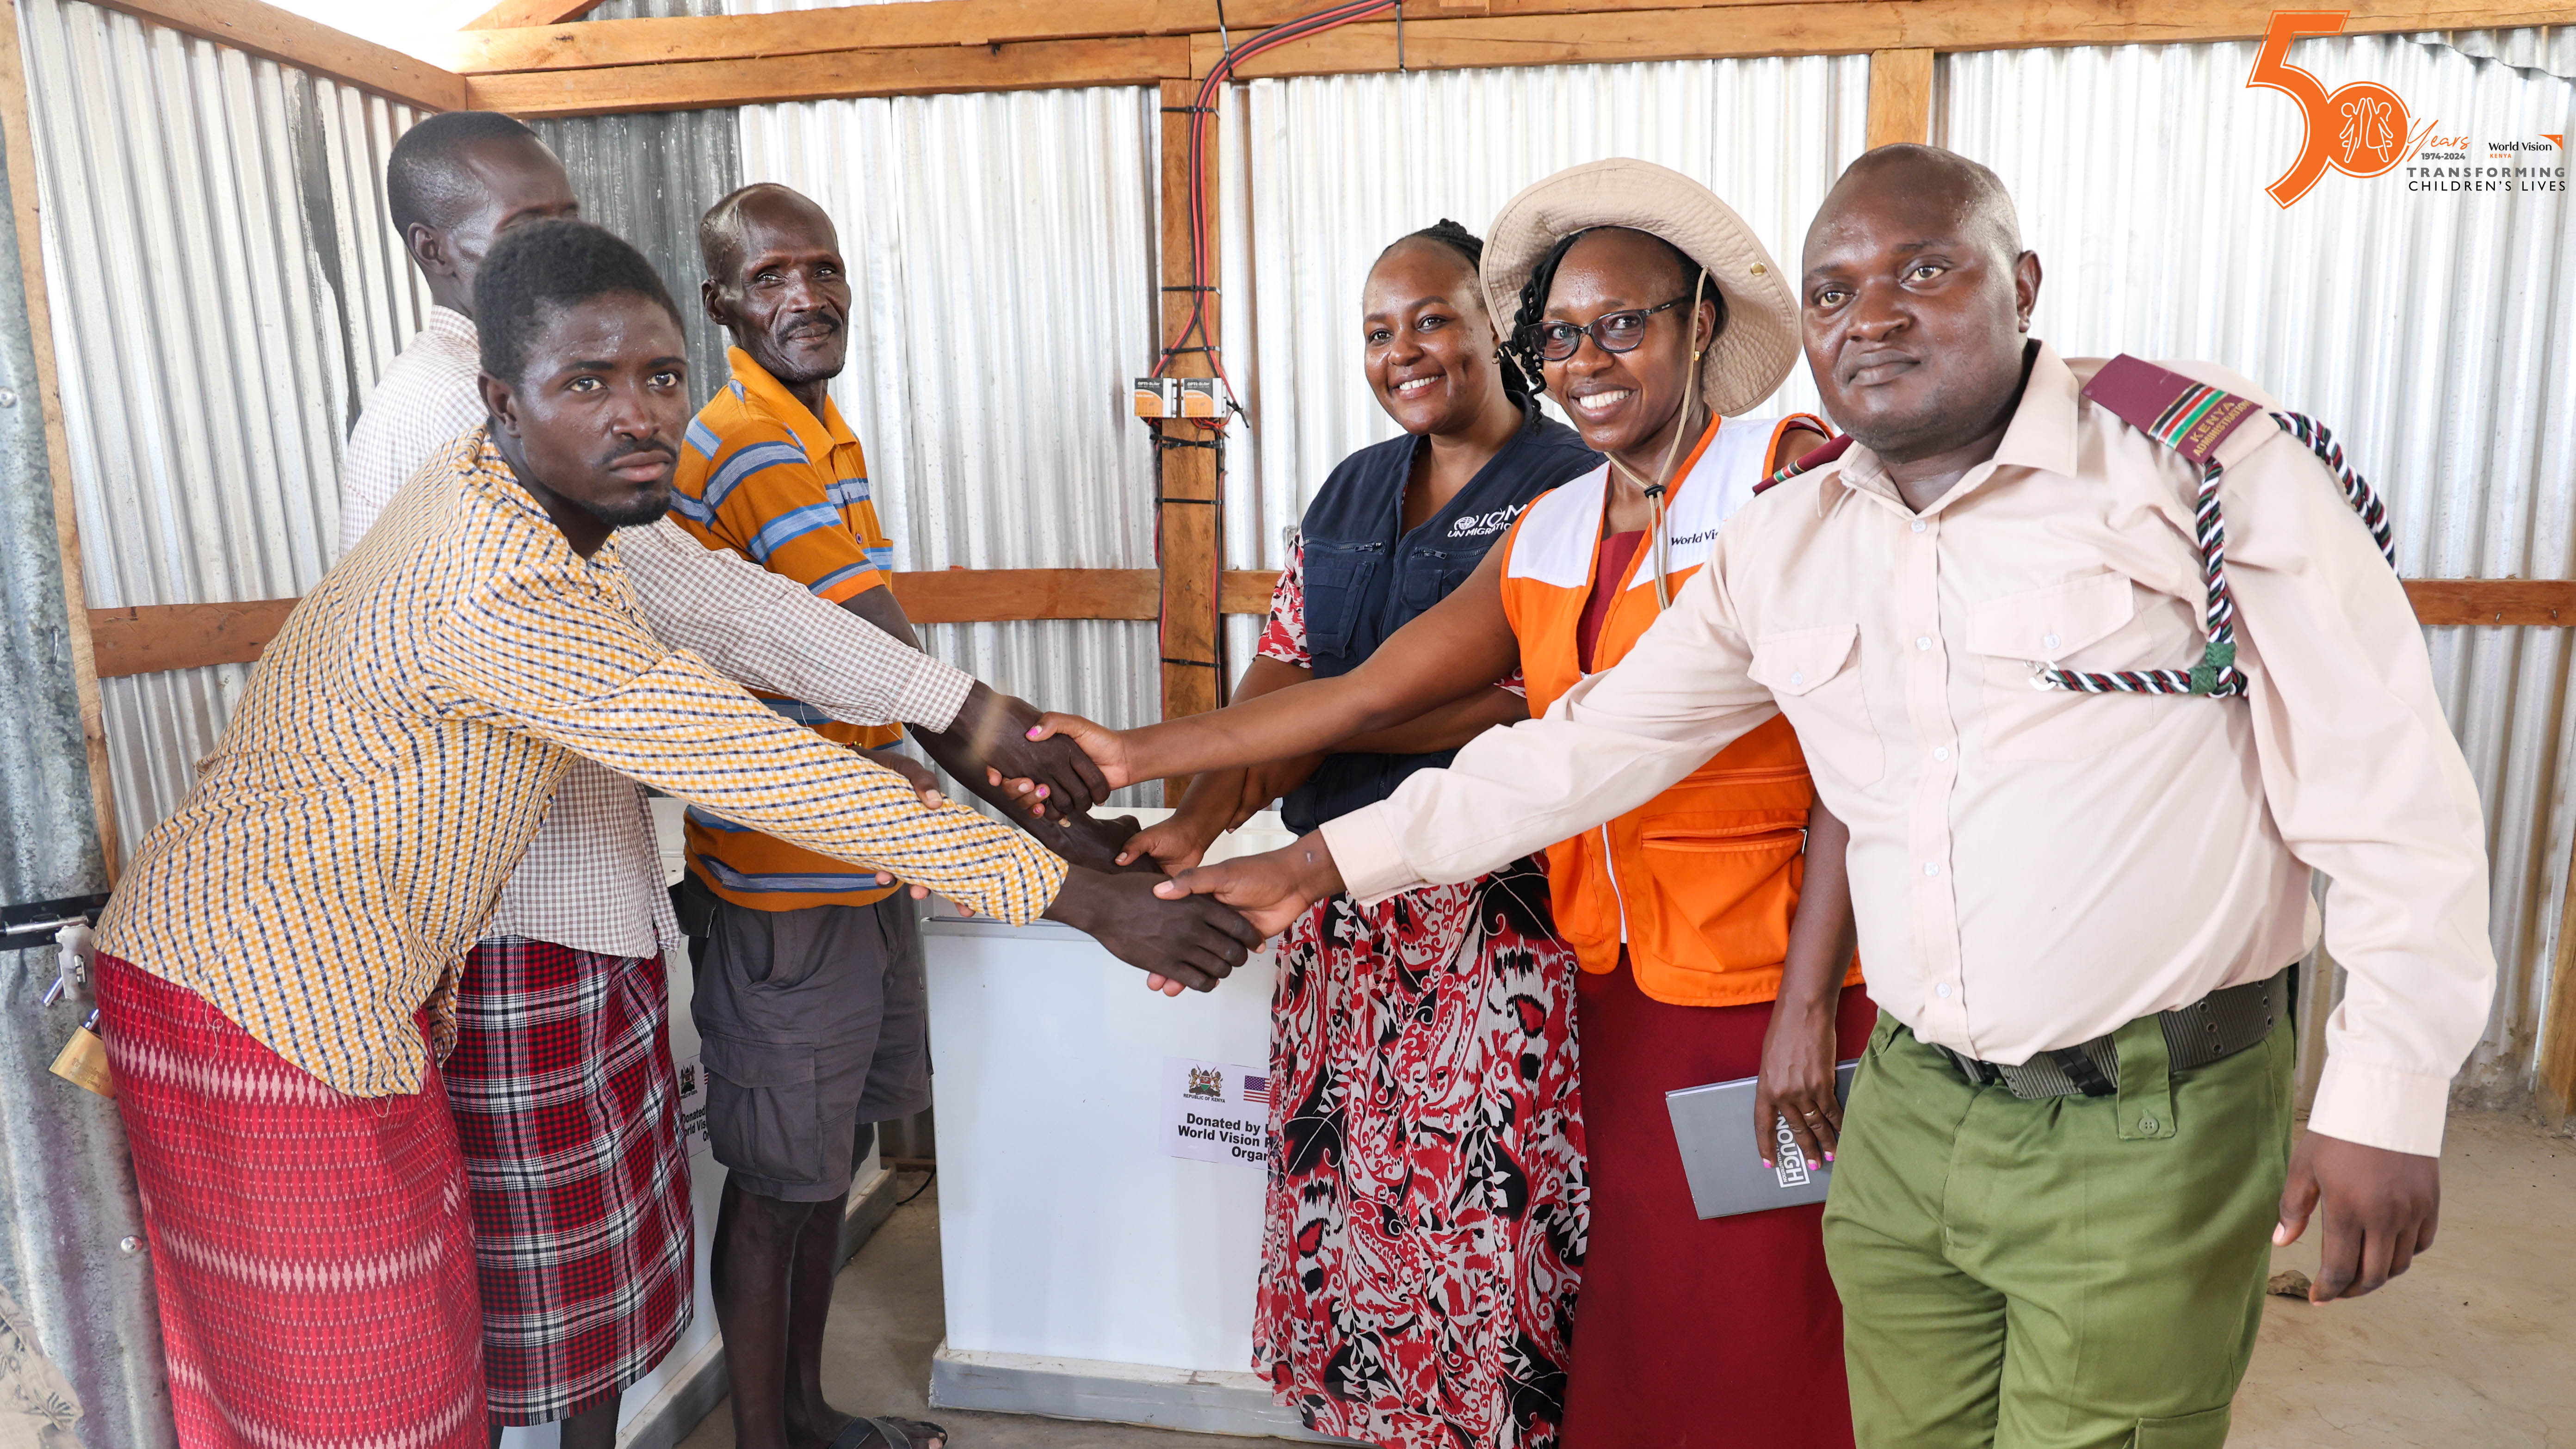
[
  {"x": 770, "y": 633},
  {"x": 617, "y": 695}
]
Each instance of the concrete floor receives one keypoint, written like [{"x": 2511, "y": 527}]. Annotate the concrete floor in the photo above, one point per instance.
[
  {"x": 2474, "y": 1347},
  {"x": 886, "y": 1320}
]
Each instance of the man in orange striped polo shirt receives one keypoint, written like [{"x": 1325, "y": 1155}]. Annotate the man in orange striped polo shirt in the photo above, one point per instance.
[{"x": 770, "y": 469}]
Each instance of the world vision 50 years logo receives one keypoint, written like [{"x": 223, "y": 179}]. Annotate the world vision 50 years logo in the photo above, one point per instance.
[{"x": 2363, "y": 129}]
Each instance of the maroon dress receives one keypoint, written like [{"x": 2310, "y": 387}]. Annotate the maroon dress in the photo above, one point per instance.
[{"x": 1724, "y": 1334}]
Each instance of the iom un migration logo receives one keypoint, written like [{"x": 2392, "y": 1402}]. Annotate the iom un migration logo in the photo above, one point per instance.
[{"x": 2359, "y": 129}]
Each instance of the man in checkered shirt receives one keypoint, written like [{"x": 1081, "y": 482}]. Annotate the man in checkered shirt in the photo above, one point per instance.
[{"x": 582, "y": 1214}]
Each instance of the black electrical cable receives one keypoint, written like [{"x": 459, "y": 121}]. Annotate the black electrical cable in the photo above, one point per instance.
[{"x": 918, "y": 1191}]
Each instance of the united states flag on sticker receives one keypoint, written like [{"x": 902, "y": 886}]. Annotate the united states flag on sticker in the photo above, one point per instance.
[{"x": 1256, "y": 1090}]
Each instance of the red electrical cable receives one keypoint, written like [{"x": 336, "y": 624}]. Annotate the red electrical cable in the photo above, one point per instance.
[{"x": 1202, "y": 108}]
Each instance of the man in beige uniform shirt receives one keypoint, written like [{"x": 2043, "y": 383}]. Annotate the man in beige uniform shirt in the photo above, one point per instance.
[{"x": 2068, "y": 1149}]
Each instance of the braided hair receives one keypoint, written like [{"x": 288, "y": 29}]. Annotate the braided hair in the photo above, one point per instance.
[
  {"x": 1467, "y": 244},
  {"x": 1520, "y": 356}
]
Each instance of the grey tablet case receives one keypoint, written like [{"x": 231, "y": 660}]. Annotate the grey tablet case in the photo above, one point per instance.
[{"x": 1714, "y": 1127}]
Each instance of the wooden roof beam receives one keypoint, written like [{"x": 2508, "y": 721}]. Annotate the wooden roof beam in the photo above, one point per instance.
[
  {"x": 516, "y": 14},
  {"x": 920, "y": 70}
]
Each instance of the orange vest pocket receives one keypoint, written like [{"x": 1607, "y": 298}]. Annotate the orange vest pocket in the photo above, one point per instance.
[{"x": 1727, "y": 896}]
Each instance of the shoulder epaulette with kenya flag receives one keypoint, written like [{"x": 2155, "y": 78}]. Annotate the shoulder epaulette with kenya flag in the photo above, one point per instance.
[{"x": 2193, "y": 418}]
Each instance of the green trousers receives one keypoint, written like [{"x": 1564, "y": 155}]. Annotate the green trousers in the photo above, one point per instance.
[{"x": 2066, "y": 1273}]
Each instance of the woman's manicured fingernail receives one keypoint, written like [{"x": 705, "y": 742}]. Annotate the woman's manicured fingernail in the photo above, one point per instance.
[
  {"x": 1829, "y": 1157},
  {"x": 1042, "y": 792},
  {"x": 1765, "y": 1161},
  {"x": 2280, "y": 1235}
]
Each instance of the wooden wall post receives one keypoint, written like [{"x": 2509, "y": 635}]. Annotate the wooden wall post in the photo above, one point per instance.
[
  {"x": 1186, "y": 472},
  {"x": 18, "y": 140},
  {"x": 1900, "y": 96},
  {"x": 2555, "y": 1081}
]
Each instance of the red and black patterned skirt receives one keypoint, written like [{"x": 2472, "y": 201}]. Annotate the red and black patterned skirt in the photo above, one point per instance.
[
  {"x": 1425, "y": 1229},
  {"x": 566, "y": 1102},
  {"x": 312, "y": 1252}
]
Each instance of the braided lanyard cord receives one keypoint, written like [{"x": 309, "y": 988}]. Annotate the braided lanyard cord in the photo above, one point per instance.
[{"x": 2216, "y": 676}]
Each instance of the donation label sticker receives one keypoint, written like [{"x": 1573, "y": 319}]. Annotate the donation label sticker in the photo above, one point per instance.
[
  {"x": 693, "y": 1107},
  {"x": 1216, "y": 1112}
]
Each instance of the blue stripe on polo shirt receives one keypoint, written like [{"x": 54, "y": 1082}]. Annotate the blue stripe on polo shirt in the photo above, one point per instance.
[
  {"x": 715, "y": 822},
  {"x": 693, "y": 510},
  {"x": 734, "y": 880},
  {"x": 790, "y": 526},
  {"x": 795, "y": 710},
  {"x": 703, "y": 439},
  {"x": 747, "y": 462},
  {"x": 833, "y": 580},
  {"x": 846, "y": 491}
]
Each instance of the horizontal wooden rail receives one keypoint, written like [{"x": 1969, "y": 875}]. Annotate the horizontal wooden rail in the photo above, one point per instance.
[
  {"x": 2490, "y": 602},
  {"x": 155, "y": 637},
  {"x": 1246, "y": 591},
  {"x": 151, "y": 638},
  {"x": 978, "y": 596}
]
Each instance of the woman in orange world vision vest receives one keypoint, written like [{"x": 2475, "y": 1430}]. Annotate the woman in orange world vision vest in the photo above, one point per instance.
[
  {"x": 1651, "y": 312},
  {"x": 1422, "y": 1065}
]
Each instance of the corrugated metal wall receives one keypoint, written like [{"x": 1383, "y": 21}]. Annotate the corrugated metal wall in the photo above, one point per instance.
[
  {"x": 225, "y": 289},
  {"x": 66, "y": 1191},
  {"x": 1321, "y": 173},
  {"x": 1004, "y": 248},
  {"x": 649, "y": 178},
  {"x": 2433, "y": 331}
]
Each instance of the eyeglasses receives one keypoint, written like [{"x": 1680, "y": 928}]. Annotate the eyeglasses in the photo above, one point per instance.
[{"x": 1612, "y": 332}]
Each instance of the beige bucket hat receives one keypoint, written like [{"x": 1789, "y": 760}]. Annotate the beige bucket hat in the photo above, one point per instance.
[{"x": 1752, "y": 356}]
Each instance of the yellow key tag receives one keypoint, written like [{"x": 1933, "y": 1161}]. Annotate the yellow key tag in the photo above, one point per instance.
[{"x": 83, "y": 1061}]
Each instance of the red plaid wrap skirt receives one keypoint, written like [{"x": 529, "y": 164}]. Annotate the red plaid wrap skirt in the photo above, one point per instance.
[
  {"x": 312, "y": 1252},
  {"x": 568, "y": 1109}
]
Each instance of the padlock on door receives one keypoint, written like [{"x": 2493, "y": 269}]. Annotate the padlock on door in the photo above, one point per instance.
[{"x": 83, "y": 1060}]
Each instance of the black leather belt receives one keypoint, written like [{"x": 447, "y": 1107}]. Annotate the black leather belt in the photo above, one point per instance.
[{"x": 2213, "y": 1028}]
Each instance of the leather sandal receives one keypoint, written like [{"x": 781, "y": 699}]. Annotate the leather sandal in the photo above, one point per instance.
[{"x": 893, "y": 1433}]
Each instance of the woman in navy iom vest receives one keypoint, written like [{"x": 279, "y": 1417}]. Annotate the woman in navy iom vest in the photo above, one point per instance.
[{"x": 1424, "y": 1231}]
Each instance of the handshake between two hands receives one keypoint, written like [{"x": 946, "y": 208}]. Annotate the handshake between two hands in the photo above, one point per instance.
[{"x": 1186, "y": 932}]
